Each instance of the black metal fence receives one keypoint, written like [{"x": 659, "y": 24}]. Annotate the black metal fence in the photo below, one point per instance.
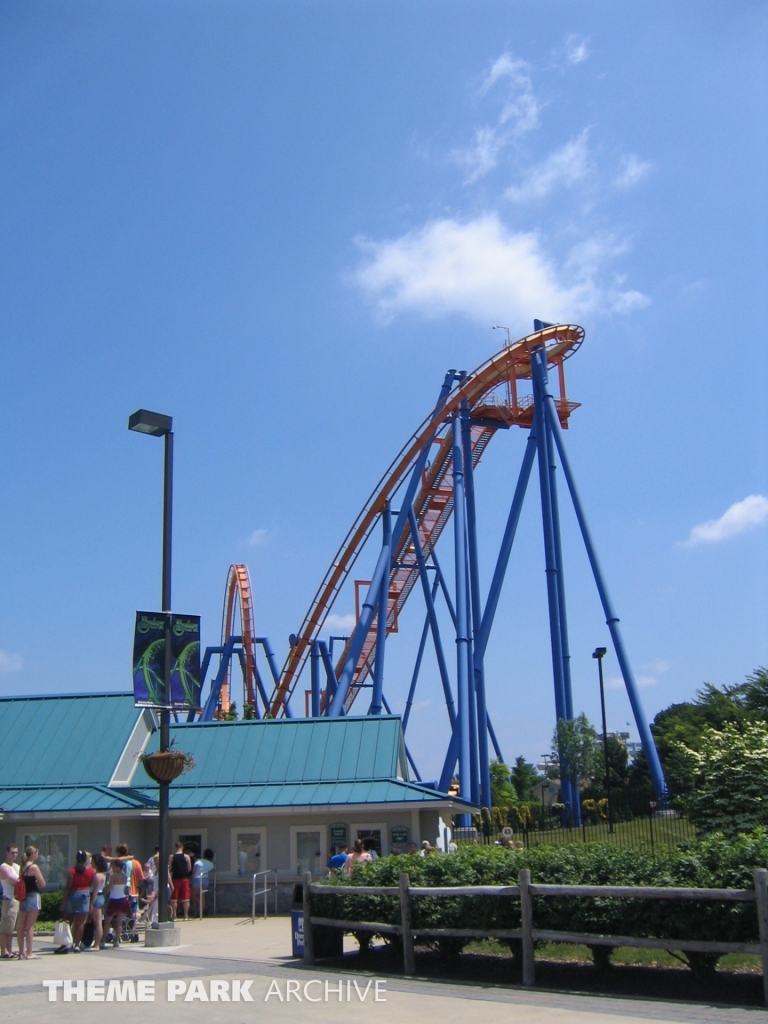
[{"x": 656, "y": 828}]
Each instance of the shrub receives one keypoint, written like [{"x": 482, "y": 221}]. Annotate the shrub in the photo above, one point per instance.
[
  {"x": 50, "y": 903},
  {"x": 713, "y": 863},
  {"x": 731, "y": 775}
]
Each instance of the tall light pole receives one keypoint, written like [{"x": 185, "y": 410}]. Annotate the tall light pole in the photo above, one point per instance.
[
  {"x": 599, "y": 653},
  {"x": 158, "y": 425}
]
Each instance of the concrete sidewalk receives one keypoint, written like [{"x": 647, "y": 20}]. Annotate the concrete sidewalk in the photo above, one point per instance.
[{"x": 256, "y": 958}]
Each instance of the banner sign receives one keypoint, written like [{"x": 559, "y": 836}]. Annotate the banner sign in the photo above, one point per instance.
[
  {"x": 338, "y": 835},
  {"x": 399, "y": 837},
  {"x": 149, "y": 660}
]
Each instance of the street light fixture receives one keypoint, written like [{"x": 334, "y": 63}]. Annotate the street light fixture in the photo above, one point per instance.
[
  {"x": 599, "y": 653},
  {"x": 157, "y": 425}
]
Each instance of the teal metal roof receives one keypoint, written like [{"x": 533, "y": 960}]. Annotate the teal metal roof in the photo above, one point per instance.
[
  {"x": 303, "y": 794},
  {"x": 63, "y": 741},
  {"x": 77, "y": 741},
  {"x": 36, "y": 799},
  {"x": 298, "y": 750}
]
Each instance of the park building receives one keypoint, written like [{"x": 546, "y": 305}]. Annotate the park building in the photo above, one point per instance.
[{"x": 266, "y": 795}]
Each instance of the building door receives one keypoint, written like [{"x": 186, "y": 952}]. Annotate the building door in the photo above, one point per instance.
[
  {"x": 371, "y": 838},
  {"x": 308, "y": 853}
]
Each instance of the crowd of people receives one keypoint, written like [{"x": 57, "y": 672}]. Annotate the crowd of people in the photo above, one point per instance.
[
  {"x": 104, "y": 896},
  {"x": 364, "y": 852}
]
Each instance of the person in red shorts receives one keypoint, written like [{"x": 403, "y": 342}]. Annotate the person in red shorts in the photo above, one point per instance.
[{"x": 180, "y": 866}]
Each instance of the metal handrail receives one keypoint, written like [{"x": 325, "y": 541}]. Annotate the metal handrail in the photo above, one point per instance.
[
  {"x": 262, "y": 892},
  {"x": 203, "y": 891}
]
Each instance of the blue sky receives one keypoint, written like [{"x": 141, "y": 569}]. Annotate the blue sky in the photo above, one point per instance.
[{"x": 282, "y": 222}]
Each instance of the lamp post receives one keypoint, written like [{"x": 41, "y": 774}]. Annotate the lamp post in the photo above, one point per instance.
[
  {"x": 599, "y": 653},
  {"x": 157, "y": 425}
]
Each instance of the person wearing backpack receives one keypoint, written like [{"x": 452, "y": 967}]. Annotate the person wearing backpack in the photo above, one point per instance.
[
  {"x": 27, "y": 891},
  {"x": 9, "y": 876}
]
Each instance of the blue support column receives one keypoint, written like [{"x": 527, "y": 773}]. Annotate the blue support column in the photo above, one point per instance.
[
  {"x": 213, "y": 696},
  {"x": 462, "y": 616},
  {"x": 560, "y": 577},
  {"x": 330, "y": 675},
  {"x": 262, "y": 691},
  {"x": 555, "y": 633},
  {"x": 446, "y": 776},
  {"x": 314, "y": 664},
  {"x": 444, "y": 587},
  {"x": 418, "y": 469},
  {"x": 407, "y": 751},
  {"x": 257, "y": 678},
  {"x": 477, "y": 669},
  {"x": 360, "y": 632},
  {"x": 494, "y": 741},
  {"x": 417, "y": 666},
  {"x": 272, "y": 662},
  {"x": 611, "y": 618},
  {"x": 432, "y": 616},
  {"x": 381, "y": 623},
  {"x": 502, "y": 562}
]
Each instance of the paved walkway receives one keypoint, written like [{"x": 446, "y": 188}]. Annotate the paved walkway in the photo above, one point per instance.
[{"x": 255, "y": 958}]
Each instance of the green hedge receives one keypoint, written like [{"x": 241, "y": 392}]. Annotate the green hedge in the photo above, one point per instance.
[
  {"x": 712, "y": 863},
  {"x": 50, "y": 902}
]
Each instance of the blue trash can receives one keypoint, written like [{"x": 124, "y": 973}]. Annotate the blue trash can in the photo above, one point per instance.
[
  {"x": 297, "y": 926},
  {"x": 297, "y": 921}
]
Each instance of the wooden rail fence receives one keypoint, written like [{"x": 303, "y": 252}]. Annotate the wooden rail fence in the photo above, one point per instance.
[{"x": 528, "y": 933}]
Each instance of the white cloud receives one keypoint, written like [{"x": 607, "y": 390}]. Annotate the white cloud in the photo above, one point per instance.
[
  {"x": 343, "y": 624},
  {"x": 519, "y": 115},
  {"x": 645, "y": 681},
  {"x": 258, "y": 538},
  {"x": 649, "y": 677},
  {"x": 481, "y": 270},
  {"x": 741, "y": 516},
  {"x": 633, "y": 171},
  {"x": 562, "y": 169},
  {"x": 576, "y": 51},
  {"x": 10, "y": 662}
]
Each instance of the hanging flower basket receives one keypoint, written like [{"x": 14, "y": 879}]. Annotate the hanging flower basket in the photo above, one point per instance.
[{"x": 166, "y": 766}]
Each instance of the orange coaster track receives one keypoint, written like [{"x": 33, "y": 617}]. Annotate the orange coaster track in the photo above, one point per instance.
[
  {"x": 491, "y": 393},
  {"x": 238, "y": 597}
]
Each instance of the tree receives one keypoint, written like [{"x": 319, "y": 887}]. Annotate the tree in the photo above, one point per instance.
[
  {"x": 503, "y": 793},
  {"x": 752, "y": 694},
  {"x": 730, "y": 773},
  {"x": 524, "y": 777},
  {"x": 617, "y": 765},
  {"x": 576, "y": 741}
]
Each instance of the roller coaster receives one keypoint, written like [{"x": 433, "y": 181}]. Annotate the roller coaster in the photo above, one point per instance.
[{"x": 431, "y": 480}]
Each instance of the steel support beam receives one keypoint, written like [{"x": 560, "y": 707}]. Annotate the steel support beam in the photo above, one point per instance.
[
  {"x": 611, "y": 618},
  {"x": 560, "y": 577},
  {"x": 477, "y": 670},
  {"x": 417, "y": 666},
  {"x": 418, "y": 469},
  {"x": 444, "y": 587},
  {"x": 555, "y": 633},
  {"x": 462, "y": 614},
  {"x": 314, "y": 665},
  {"x": 360, "y": 632},
  {"x": 381, "y": 623},
  {"x": 432, "y": 616},
  {"x": 407, "y": 751},
  {"x": 274, "y": 670},
  {"x": 502, "y": 561}
]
